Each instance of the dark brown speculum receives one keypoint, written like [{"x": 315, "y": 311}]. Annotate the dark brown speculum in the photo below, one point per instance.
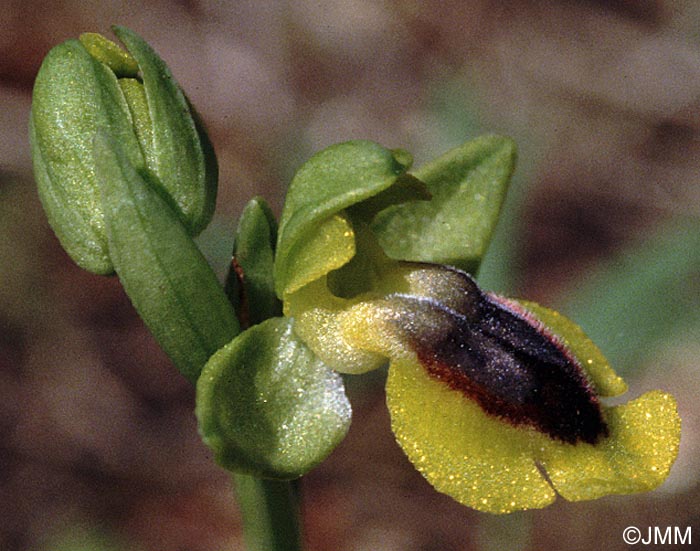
[{"x": 482, "y": 346}]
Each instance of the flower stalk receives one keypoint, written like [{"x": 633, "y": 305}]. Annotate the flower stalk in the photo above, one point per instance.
[{"x": 270, "y": 513}]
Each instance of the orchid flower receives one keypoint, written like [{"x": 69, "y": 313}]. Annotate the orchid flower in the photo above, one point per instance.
[{"x": 497, "y": 402}]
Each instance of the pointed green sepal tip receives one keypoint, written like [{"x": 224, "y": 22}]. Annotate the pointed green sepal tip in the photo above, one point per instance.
[
  {"x": 267, "y": 406},
  {"x": 87, "y": 84}
]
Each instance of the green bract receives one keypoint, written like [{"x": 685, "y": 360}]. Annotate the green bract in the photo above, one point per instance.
[
  {"x": 167, "y": 279},
  {"x": 93, "y": 84}
]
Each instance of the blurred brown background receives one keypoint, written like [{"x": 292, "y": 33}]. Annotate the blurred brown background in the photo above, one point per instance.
[{"x": 98, "y": 441}]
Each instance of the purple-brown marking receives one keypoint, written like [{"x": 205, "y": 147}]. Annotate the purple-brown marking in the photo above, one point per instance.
[{"x": 505, "y": 361}]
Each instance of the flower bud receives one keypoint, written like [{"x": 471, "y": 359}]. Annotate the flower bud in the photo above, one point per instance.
[{"x": 90, "y": 84}]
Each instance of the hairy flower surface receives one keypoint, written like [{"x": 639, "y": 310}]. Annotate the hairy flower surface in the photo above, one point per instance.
[{"x": 496, "y": 402}]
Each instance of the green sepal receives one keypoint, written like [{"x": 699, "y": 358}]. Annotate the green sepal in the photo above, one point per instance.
[
  {"x": 164, "y": 274},
  {"x": 74, "y": 94},
  {"x": 109, "y": 53},
  {"x": 334, "y": 179},
  {"x": 468, "y": 185},
  {"x": 267, "y": 406},
  {"x": 180, "y": 154},
  {"x": 251, "y": 287}
]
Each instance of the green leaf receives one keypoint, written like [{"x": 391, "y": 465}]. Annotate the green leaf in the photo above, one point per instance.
[
  {"x": 166, "y": 277},
  {"x": 180, "y": 154},
  {"x": 251, "y": 288},
  {"x": 468, "y": 185},
  {"x": 267, "y": 406},
  {"x": 338, "y": 177}
]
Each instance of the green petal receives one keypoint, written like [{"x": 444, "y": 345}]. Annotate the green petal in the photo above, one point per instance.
[
  {"x": 267, "y": 406},
  {"x": 330, "y": 245},
  {"x": 636, "y": 457},
  {"x": 476, "y": 459},
  {"x": 468, "y": 185},
  {"x": 334, "y": 179}
]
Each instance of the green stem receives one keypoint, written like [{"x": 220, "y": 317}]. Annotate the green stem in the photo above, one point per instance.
[
  {"x": 270, "y": 508},
  {"x": 270, "y": 512}
]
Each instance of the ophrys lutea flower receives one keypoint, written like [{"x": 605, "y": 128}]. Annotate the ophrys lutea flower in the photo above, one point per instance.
[{"x": 497, "y": 402}]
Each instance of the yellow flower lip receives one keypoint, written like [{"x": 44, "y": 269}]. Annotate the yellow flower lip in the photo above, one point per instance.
[{"x": 495, "y": 401}]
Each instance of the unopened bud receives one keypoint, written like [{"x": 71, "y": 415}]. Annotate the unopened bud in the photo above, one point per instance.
[{"x": 90, "y": 84}]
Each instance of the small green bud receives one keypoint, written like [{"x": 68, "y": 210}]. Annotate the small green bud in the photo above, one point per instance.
[{"x": 90, "y": 84}]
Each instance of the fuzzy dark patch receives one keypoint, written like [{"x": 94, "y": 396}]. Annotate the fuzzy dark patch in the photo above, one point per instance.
[{"x": 506, "y": 362}]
